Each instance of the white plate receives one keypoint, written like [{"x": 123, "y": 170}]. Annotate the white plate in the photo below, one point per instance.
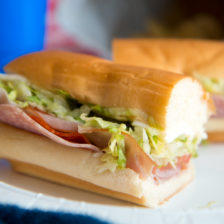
[{"x": 201, "y": 202}]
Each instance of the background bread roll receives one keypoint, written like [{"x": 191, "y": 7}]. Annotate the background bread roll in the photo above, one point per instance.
[{"x": 185, "y": 56}]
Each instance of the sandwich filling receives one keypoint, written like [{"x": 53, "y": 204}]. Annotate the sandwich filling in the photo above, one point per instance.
[
  {"x": 216, "y": 87},
  {"x": 211, "y": 84},
  {"x": 39, "y": 103}
]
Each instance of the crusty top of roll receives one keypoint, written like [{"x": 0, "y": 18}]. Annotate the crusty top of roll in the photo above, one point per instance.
[
  {"x": 97, "y": 81},
  {"x": 187, "y": 56}
]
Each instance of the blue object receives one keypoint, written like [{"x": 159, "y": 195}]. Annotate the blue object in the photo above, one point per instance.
[
  {"x": 12, "y": 214},
  {"x": 22, "y": 28}
]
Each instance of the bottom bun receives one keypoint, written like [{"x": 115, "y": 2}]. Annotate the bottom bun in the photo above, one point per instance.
[
  {"x": 216, "y": 136},
  {"x": 66, "y": 180},
  {"x": 38, "y": 156},
  {"x": 215, "y": 129}
]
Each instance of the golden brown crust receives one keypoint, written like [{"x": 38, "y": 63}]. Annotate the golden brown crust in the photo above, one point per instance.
[
  {"x": 93, "y": 80},
  {"x": 178, "y": 190},
  {"x": 217, "y": 136},
  {"x": 185, "y": 56},
  {"x": 67, "y": 180},
  {"x": 39, "y": 67}
]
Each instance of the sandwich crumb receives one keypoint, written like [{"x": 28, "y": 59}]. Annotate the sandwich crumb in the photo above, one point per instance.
[{"x": 208, "y": 205}]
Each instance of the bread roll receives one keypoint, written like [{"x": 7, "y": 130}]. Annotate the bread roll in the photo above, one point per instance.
[
  {"x": 38, "y": 156},
  {"x": 161, "y": 95},
  {"x": 177, "y": 105},
  {"x": 184, "y": 56}
]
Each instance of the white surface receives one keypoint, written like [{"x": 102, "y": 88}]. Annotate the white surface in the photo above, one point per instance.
[{"x": 189, "y": 206}]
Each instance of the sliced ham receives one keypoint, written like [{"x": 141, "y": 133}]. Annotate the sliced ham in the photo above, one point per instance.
[
  {"x": 15, "y": 116},
  {"x": 57, "y": 123},
  {"x": 219, "y": 104},
  {"x": 137, "y": 159},
  {"x": 3, "y": 97},
  {"x": 72, "y": 136},
  {"x": 165, "y": 173}
]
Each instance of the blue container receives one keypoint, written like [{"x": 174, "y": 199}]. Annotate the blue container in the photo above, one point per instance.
[{"x": 22, "y": 28}]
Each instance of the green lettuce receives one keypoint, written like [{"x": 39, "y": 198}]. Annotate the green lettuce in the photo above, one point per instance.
[
  {"x": 55, "y": 102},
  {"x": 149, "y": 139},
  {"x": 211, "y": 84},
  {"x": 115, "y": 149},
  {"x": 142, "y": 138},
  {"x": 98, "y": 122},
  {"x": 152, "y": 142},
  {"x": 121, "y": 114},
  {"x": 114, "y": 153}
]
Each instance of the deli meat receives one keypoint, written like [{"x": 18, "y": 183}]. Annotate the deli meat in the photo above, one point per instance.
[
  {"x": 13, "y": 115},
  {"x": 137, "y": 159},
  {"x": 219, "y": 104},
  {"x": 61, "y": 131}
]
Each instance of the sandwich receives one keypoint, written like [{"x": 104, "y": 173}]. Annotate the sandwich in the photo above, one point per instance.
[
  {"x": 200, "y": 59},
  {"x": 123, "y": 131}
]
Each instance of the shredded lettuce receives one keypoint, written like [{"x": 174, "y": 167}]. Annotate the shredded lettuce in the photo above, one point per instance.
[
  {"x": 58, "y": 103},
  {"x": 171, "y": 151},
  {"x": 211, "y": 84},
  {"x": 23, "y": 91},
  {"x": 121, "y": 114},
  {"x": 114, "y": 153},
  {"x": 151, "y": 141},
  {"x": 97, "y": 122},
  {"x": 142, "y": 138},
  {"x": 12, "y": 95}
]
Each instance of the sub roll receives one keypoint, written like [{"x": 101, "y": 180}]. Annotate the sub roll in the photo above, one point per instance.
[
  {"x": 201, "y": 59},
  {"x": 123, "y": 131}
]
